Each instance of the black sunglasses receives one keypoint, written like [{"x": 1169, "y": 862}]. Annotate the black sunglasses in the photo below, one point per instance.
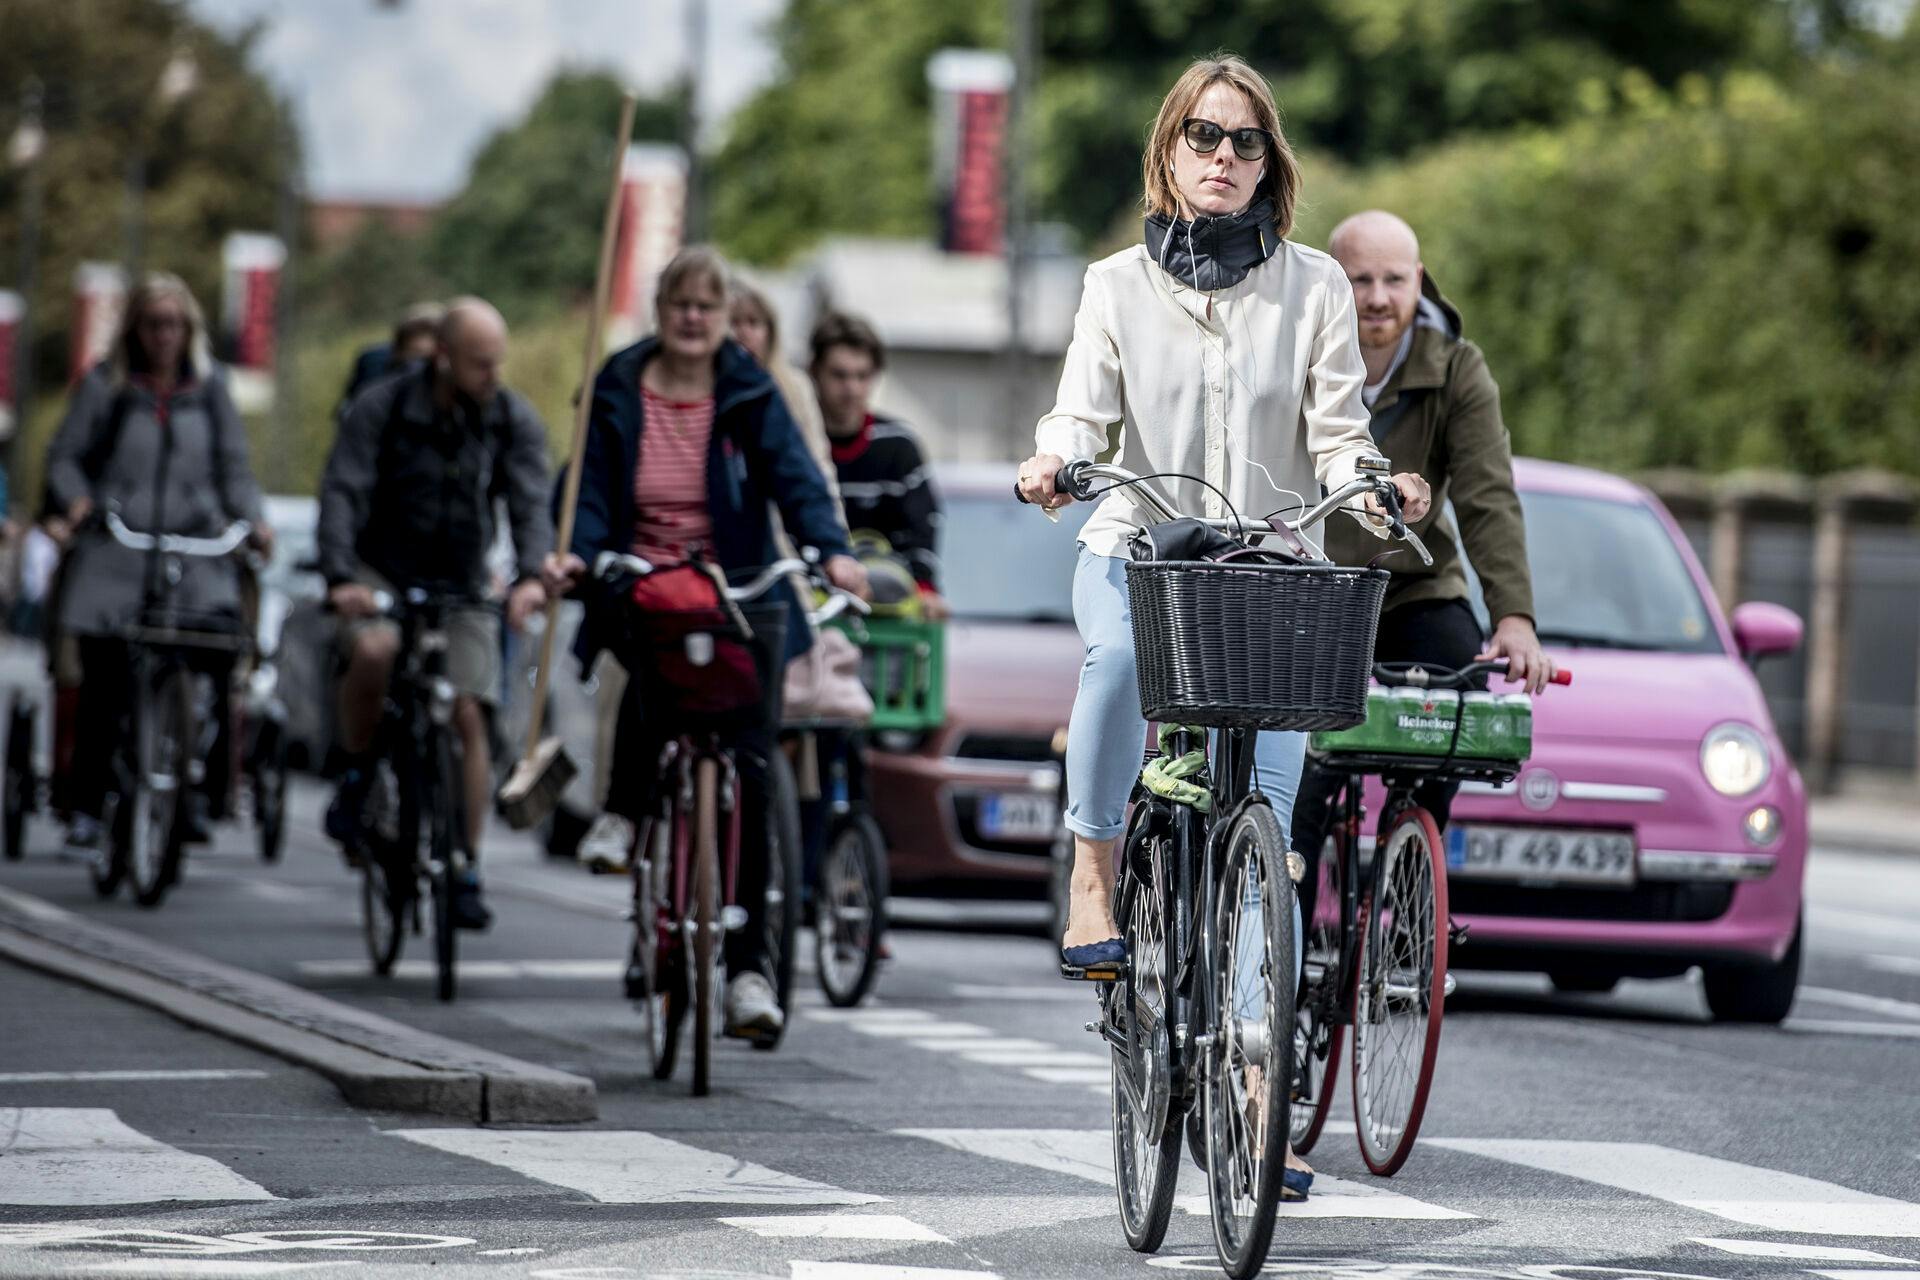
[{"x": 1204, "y": 137}]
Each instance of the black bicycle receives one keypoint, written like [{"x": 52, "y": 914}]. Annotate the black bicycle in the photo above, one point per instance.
[
  {"x": 413, "y": 824},
  {"x": 1200, "y": 1016},
  {"x": 172, "y": 656}
]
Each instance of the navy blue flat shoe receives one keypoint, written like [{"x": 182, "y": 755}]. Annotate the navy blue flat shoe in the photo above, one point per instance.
[
  {"x": 1294, "y": 1184},
  {"x": 1094, "y": 961}
]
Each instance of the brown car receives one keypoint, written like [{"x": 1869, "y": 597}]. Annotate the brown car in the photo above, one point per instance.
[{"x": 972, "y": 809}]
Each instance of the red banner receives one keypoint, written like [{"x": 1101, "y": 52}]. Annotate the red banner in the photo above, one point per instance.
[
  {"x": 971, "y": 89},
  {"x": 249, "y": 293},
  {"x": 652, "y": 228},
  {"x": 99, "y": 299}
]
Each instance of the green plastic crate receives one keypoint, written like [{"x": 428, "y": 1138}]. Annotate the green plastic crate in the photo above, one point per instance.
[
  {"x": 1404, "y": 721},
  {"x": 903, "y": 663}
]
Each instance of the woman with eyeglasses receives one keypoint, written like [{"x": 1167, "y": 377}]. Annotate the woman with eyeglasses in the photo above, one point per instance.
[
  {"x": 1224, "y": 351},
  {"x": 152, "y": 434}
]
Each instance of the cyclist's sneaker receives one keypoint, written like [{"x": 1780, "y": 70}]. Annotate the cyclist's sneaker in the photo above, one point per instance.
[
  {"x": 752, "y": 1009},
  {"x": 608, "y": 843},
  {"x": 349, "y": 798},
  {"x": 469, "y": 909}
]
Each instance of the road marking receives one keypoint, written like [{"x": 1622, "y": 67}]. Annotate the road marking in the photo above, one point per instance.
[
  {"x": 1808, "y": 1252},
  {"x": 881, "y": 1271},
  {"x": 44, "y": 1077},
  {"x": 956, "y": 1044},
  {"x": 1759, "y": 1197},
  {"x": 630, "y": 1167},
  {"x": 1829, "y": 1027},
  {"x": 1059, "y": 993},
  {"x": 880, "y": 1014},
  {"x": 489, "y": 970},
  {"x": 506, "y": 1253},
  {"x": 209, "y": 1267},
  {"x": 1070, "y": 1075},
  {"x": 87, "y": 1156},
  {"x": 1034, "y": 1058},
  {"x": 839, "y": 1226},
  {"x": 1865, "y": 1003},
  {"x": 1895, "y": 964},
  {"x": 1088, "y": 1154},
  {"x": 929, "y": 1029},
  {"x": 1863, "y": 1274}
]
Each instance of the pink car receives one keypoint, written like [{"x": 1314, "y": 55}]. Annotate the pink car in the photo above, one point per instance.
[{"x": 1660, "y": 823}]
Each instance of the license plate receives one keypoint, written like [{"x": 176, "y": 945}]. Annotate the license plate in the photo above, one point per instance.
[
  {"x": 1018, "y": 815},
  {"x": 1541, "y": 855}
]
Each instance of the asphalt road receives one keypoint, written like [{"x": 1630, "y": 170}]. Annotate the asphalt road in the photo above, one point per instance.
[{"x": 957, "y": 1126}]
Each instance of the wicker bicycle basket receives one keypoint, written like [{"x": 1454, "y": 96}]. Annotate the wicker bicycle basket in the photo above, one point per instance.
[{"x": 1254, "y": 646}]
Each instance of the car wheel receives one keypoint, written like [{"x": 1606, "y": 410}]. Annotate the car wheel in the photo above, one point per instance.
[
  {"x": 1754, "y": 993},
  {"x": 1575, "y": 982}
]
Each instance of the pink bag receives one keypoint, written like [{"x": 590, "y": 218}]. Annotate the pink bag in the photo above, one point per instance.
[{"x": 823, "y": 684}]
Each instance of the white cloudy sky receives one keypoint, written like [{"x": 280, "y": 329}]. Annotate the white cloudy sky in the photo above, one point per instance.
[{"x": 393, "y": 103}]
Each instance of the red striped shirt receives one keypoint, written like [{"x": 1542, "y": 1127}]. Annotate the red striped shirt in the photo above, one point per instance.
[{"x": 670, "y": 516}]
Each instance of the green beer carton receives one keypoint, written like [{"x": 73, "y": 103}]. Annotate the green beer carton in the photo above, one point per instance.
[{"x": 1406, "y": 721}]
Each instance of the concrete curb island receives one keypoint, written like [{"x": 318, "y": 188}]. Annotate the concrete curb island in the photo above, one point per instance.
[{"x": 377, "y": 1063}]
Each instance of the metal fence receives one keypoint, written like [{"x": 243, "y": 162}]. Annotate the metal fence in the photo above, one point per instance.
[{"x": 1843, "y": 553}]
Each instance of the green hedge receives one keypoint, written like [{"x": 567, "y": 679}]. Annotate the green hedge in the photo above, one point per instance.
[{"x": 1706, "y": 283}]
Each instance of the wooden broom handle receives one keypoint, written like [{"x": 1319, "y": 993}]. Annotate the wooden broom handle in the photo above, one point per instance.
[{"x": 583, "y": 409}]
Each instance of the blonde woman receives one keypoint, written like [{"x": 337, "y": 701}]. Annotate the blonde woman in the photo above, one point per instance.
[
  {"x": 1226, "y": 352},
  {"x": 152, "y": 433}
]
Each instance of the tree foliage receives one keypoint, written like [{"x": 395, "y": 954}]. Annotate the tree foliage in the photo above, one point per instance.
[
  {"x": 1695, "y": 283},
  {"x": 216, "y": 158},
  {"x": 1360, "y": 80},
  {"x": 528, "y": 221}
]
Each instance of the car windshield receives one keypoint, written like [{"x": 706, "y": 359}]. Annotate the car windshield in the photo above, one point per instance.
[
  {"x": 1607, "y": 575},
  {"x": 1006, "y": 563}
]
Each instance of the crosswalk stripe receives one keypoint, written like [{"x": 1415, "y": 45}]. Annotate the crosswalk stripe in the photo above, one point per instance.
[
  {"x": 931, "y": 1028},
  {"x": 115, "y": 1077},
  {"x": 1070, "y": 1075},
  {"x": 1759, "y": 1197},
  {"x": 88, "y": 1156},
  {"x": 1803, "y": 1252},
  {"x": 1088, "y": 1154},
  {"x": 1841, "y": 1027},
  {"x": 631, "y": 1167},
  {"x": 881, "y": 1271},
  {"x": 1905, "y": 1009},
  {"x": 487, "y": 970},
  {"x": 999, "y": 1057},
  {"x": 839, "y": 1226}
]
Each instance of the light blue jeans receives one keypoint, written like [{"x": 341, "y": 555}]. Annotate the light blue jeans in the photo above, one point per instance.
[{"x": 1107, "y": 737}]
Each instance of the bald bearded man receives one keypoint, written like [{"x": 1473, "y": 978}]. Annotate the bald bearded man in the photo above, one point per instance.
[
  {"x": 408, "y": 501},
  {"x": 1435, "y": 411}
]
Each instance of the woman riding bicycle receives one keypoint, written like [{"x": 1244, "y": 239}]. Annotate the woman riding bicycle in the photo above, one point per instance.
[
  {"x": 689, "y": 447},
  {"x": 151, "y": 433},
  {"x": 1226, "y": 353}
]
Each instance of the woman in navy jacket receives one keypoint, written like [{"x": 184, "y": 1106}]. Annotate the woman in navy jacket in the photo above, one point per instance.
[{"x": 690, "y": 449}]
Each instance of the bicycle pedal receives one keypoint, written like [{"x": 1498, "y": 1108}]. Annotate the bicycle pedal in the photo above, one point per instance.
[
  {"x": 1457, "y": 933},
  {"x": 1094, "y": 973},
  {"x": 601, "y": 865},
  {"x": 1446, "y": 988}
]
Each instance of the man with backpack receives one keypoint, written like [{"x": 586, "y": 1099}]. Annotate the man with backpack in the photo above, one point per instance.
[{"x": 408, "y": 500}]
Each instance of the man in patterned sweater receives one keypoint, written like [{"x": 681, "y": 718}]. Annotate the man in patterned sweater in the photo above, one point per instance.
[{"x": 885, "y": 484}]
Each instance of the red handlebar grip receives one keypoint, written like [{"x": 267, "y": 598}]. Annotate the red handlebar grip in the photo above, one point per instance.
[{"x": 1562, "y": 676}]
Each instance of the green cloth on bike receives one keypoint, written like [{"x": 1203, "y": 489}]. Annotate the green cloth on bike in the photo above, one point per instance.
[{"x": 1168, "y": 776}]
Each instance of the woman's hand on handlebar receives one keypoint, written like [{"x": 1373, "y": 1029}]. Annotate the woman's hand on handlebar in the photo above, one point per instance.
[
  {"x": 849, "y": 575},
  {"x": 560, "y": 574},
  {"x": 1037, "y": 478},
  {"x": 1415, "y": 498}
]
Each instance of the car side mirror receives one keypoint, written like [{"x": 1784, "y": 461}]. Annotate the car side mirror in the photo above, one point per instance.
[{"x": 1761, "y": 629}]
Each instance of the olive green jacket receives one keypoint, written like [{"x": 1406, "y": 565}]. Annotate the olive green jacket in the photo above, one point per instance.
[{"x": 1439, "y": 415}]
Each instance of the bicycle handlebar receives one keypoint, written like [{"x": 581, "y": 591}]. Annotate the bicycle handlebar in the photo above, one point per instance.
[
  {"x": 222, "y": 544},
  {"x": 1420, "y": 676},
  {"x": 1076, "y": 479},
  {"x": 610, "y": 565}
]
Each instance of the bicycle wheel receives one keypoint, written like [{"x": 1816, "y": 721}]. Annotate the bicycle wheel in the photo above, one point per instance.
[
  {"x": 1146, "y": 1130},
  {"x": 1319, "y": 1035},
  {"x": 783, "y": 885},
  {"x": 655, "y": 979},
  {"x": 1400, "y": 980},
  {"x": 446, "y": 816},
  {"x": 152, "y": 816},
  {"x": 1249, "y": 1069},
  {"x": 850, "y": 909},
  {"x": 706, "y": 911},
  {"x": 270, "y": 791},
  {"x": 18, "y": 791},
  {"x": 383, "y": 909}
]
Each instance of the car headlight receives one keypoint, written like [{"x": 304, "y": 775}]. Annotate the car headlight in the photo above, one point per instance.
[{"x": 1735, "y": 760}]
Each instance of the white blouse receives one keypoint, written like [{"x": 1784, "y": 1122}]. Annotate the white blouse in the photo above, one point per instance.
[{"x": 1256, "y": 387}]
